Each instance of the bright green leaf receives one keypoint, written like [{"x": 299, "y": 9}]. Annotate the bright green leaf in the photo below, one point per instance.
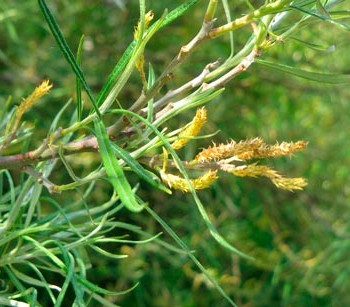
[{"x": 114, "y": 170}]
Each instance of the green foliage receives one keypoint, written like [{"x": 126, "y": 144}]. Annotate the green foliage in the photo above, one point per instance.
[{"x": 83, "y": 208}]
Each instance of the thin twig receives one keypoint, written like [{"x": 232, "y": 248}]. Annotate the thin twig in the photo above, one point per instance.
[
  {"x": 197, "y": 81},
  {"x": 184, "y": 52},
  {"x": 43, "y": 153},
  {"x": 241, "y": 67}
]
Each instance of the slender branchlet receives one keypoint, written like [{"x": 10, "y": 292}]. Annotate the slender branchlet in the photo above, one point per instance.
[{"x": 267, "y": 9}]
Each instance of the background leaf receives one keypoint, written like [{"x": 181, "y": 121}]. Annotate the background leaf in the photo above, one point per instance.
[{"x": 314, "y": 76}]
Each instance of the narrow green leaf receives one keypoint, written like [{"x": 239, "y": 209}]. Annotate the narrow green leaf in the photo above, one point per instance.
[
  {"x": 138, "y": 169},
  {"x": 34, "y": 199},
  {"x": 82, "y": 262},
  {"x": 179, "y": 11},
  {"x": 4, "y": 110},
  {"x": 13, "y": 278},
  {"x": 114, "y": 170},
  {"x": 10, "y": 123},
  {"x": 102, "y": 301},
  {"x": 150, "y": 82},
  {"x": 67, "y": 165},
  {"x": 340, "y": 14},
  {"x": 151, "y": 76},
  {"x": 16, "y": 207},
  {"x": 321, "y": 16},
  {"x": 121, "y": 240},
  {"x": 142, "y": 18},
  {"x": 106, "y": 253},
  {"x": 62, "y": 43},
  {"x": 30, "y": 295},
  {"x": 36, "y": 282},
  {"x": 11, "y": 190},
  {"x": 78, "y": 82},
  {"x": 317, "y": 47},
  {"x": 58, "y": 116},
  {"x": 46, "y": 284},
  {"x": 47, "y": 251},
  {"x": 321, "y": 9},
  {"x": 189, "y": 253},
  {"x": 314, "y": 76},
  {"x": 94, "y": 288},
  {"x": 11, "y": 302},
  {"x": 194, "y": 100},
  {"x": 69, "y": 272},
  {"x": 117, "y": 70},
  {"x": 229, "y": 19}
]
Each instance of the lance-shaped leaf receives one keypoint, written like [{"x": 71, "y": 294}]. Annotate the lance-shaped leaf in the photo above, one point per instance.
[
  {"x": 114, "y": 170},
  {"x": 314, "y": 76}
]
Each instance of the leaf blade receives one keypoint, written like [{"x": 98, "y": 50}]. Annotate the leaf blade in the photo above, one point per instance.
[
  {"x": 314, "y": 76},
  {"x": 114, "y": 170},
  {"x": 63, "y": 45},
  {"x": 78, "y": 82}
]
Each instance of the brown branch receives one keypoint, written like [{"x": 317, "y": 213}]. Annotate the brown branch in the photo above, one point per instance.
[
  {"x": 184, "y": 52},
  {"x": 241, "y": 67},
  {"x": 18, "y": 161}
]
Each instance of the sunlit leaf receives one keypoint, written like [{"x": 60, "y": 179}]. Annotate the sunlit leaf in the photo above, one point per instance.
[
  {"x": 114, "y": 170},
  {"x": 314, "y": 76}
]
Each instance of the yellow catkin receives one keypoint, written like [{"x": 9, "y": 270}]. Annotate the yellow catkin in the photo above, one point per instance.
[
  {"x": 205, "y": 181},
  {"x": 148, "y": 18},
  {"x": 289, "y": 184},
  {"x": 141, "y": 59},
  {"x": 39, "y": 91},
  {"x": 215, "y": 152},
  {"x": 254, "y": 170},
  {"x": 27, "y": 103},
  {"x": 192, "y": 129},
  {"x": 278, "y": 150},
  {"x": 139, "y": 66},
  {"x": 248, "y": 149},
  {"x": 179, "y": 183}
]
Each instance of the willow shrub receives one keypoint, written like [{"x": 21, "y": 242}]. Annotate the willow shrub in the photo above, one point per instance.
[{"x": 46, "y": 240}]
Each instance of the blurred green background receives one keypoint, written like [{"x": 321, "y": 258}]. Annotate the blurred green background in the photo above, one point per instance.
[{"x": 301, "y": 240}]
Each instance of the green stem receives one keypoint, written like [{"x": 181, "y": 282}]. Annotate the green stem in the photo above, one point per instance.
[{"x": 270, "y": 8}]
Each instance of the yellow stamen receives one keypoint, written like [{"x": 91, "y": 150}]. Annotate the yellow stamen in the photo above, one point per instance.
[
  {"x": 254, "y": 170},
  {"x": 27, "y": 103},
  {"x": 178, "y": 183},
  {"x": 148, "y": 18},
  {"x": 192, "y": 129}
]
